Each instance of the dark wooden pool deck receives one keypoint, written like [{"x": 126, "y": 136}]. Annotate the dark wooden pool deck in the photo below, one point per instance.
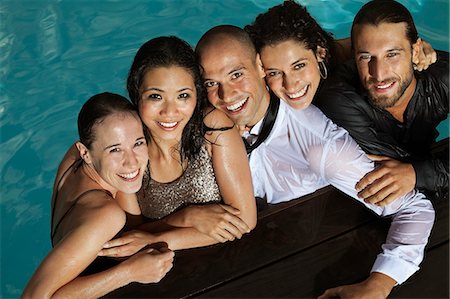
[{"x": 299, "y": 249}]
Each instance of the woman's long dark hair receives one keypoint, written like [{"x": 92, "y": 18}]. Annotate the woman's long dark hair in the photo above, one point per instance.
[{"x": 169, "y": 51}]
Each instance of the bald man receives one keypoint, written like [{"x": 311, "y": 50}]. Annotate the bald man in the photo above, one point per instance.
[{"x": 295, "y": 152}]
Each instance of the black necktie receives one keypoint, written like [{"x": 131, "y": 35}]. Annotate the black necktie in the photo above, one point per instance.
[{"x": 267, "y": 125}]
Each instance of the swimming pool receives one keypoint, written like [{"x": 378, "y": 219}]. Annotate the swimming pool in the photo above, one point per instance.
[{"x": 55, "y": 54}]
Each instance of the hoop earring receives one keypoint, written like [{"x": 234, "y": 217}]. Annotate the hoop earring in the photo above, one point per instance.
[{"x": 323, "y": 70}]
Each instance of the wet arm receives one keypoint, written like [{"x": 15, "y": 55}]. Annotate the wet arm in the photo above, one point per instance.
[
  {"x": 232, "y": 169},
  {"x": 73, "y": 254},
  {"x": 413, "y": 214}
]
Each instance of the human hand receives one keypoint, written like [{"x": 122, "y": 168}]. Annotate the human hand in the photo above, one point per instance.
[
  {"x": 426, "y": 56},
  {"x": 242, "y": 129},
  {"x": 377, "y": 286},
  {"x": 128, "y": 244},
  {"x": 149, "y": 265},
  {"x": 219, "y": 222},
  {"x": 390, "y": 180}
]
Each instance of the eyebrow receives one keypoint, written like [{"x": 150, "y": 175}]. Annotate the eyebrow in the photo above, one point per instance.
[
  {"x": 110, "y": 146},
  {"x": 117, "y": 144},
  {"x": 160, "y": 90},
  {"x": 390, "y": 50},
  {"x": 294, "y": 63},
  {"x": 238, "y": 68},
  {"x": 395, "y": 49},
  {"x": 152, "y": 88},
  {"x": 184, "y": 89},
  {"x": 299, "y": 60}
]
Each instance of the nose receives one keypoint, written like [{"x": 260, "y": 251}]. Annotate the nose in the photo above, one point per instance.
[
  {"x": 170, "y": 108},
  {"x": 225, "y": 93},
  {"x": 131, "y": 161},
  {"x": 377, "y": 68},
  {"x": 289, "y": 83}
]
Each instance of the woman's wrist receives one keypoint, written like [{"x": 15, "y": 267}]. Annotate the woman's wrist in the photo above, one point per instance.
[{"x": 182, "y": 218}]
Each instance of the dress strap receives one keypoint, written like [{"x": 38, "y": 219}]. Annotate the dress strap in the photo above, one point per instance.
[{"x": 75, "y": 165}]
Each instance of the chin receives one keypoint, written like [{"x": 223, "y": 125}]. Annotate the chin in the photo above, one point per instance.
[
  {"x": 299, "y": 105},
  {"x": 131, "y": 189}
]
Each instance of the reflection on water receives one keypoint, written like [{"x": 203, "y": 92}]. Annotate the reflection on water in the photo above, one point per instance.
[{"x": 55, "y": 55}]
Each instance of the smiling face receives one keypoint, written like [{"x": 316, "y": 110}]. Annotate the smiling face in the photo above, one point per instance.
[
  {"x": 292, "y": 72},
  {"x": 119, "y": 152},
  {"x": 234, "y": 81},
  {"x": 384, "y": 59},
  {"x": 168, "y": 100}
]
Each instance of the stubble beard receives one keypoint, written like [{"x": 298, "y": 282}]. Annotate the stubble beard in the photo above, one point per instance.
[{"x": 384, "y": 102}]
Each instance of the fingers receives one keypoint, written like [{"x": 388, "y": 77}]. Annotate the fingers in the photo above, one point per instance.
[
  {"x": 433, "y": 57},
  {"x": 334, "y": 292},
  {"x": 238, "y": 223},
  {"x": 223, "y": 235},
  {"x": 220, "y": 222},
  {"x": 378, "y": 192},
  {"x": 389, "y": 199},
  {"x": 235, "y": 220},
  {"x": 369, "y": 178},
  {"x": 427, "y": 56},
  {"x": 167, "y": 255},
  {"x": 230, "y": 209},
  {"x": 117, "y": 242},
  {"x": 121, "y": 251},
  {"x": 164, "y": 249},
  {"x": 124, "y": 246},
  {"x": 378, "y": 158},
  {"x": 233, "y": 223}
]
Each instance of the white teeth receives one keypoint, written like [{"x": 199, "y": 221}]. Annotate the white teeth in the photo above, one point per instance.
[
  {"x": 168, "y": 125},
  {"x": 131, "y": 175},
  {"x": 236, "y": 106},
  {"x": 299, "y": 93},
  {"x": 384, "y": 86}
]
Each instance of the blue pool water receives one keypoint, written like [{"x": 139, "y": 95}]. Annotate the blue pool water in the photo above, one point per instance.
[{"x": 56, "y": 54}]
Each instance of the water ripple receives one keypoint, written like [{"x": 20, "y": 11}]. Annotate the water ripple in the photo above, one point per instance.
[{"x": 48, "y": 34}]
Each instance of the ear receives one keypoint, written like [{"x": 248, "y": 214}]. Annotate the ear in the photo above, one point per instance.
[
  {"x": 417, "y": 50},
  {"x": 321, "y": 53},
  {"x": 84, "y": 152},
  {"x": 260, "y": 66}
]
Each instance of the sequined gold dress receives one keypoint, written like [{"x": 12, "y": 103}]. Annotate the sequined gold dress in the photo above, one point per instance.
[{"x": 196, "y": 185}]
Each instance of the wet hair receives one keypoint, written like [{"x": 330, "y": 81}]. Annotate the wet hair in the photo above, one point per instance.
[
  {"x": 167, "y": 51},
  {"x": 386, "y": 11},
  {"x": 223, "y": 32},
  {"x": 96, "y": 109},
  {"x": 287, "y": 21}
]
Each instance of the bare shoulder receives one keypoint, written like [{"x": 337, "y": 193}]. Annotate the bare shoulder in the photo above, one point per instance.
[
  {"x": 216, "y": 119},
  {"x": 99, "y": 208}
]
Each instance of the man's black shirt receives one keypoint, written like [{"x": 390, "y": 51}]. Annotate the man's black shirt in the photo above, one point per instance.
[{"x": 344, "y": 100}]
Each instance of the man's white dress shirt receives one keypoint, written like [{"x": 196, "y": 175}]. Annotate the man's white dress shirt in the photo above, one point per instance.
[{"x": 306, "y": 151}]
